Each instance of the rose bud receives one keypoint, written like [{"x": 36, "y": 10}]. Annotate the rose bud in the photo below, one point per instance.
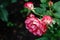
[
  {"x": 29, "y": 5},
  {"x": 50, "y": 3}
]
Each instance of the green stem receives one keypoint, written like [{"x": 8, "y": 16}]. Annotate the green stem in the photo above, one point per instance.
[
  {"x": 28, "y": 12},
  {"x": 52, "y": 12}
]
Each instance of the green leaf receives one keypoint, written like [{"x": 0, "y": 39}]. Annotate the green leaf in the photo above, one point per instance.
[
  {"x": 57, "y": 15},
  {"x": 24, "y": 10},
  {"x": 42, "y": 38},
  {"x": 52, "y": 38},
  {"x": 57, "y": 33},
  {"x": 43, "y": 5},
  {"x": 1, "y": 6},
  {"x": 13, "y": 1},
  {"x": 43, "y": 1},
  {"x": 26, "y": 0},
  {"x": 4, "y": 14},
  {"x": 48, "y": 12},
  {"x": 58, "y": 21},
  {"x": 40, "y": 10},
  {"x": 56, "y": 6},
  {"x": 10, "y": 24}
]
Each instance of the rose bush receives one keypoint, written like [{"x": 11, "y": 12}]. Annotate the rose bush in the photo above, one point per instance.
[{"x": 42, "y": 18}]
